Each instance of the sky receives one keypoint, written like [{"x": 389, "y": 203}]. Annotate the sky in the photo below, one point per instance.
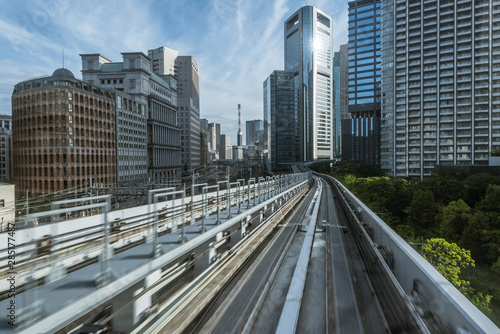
[{"x": 236, "y": 43}]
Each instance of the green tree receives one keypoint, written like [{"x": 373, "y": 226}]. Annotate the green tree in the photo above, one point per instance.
[
  {"x": 423, "y": 209},
  {"x": 449, "y": 260},
  {"x": 474, "y": 233},
  {"x": 491, "y": 205},
  {"x": 350, "y": 181},
  {"x": 455, "y": 219},
  {"x": 406, "y": 232},
  {"x": 445, "y": 189},
  {"x": 496, "y": 266},
  {"x": 476, "y": 186}
]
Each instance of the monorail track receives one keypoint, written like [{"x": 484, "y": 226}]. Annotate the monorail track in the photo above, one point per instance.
[{"x": 347, "y": 288}]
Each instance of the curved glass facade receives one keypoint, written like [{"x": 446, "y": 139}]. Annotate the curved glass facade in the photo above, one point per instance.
[{"x": 308, "y": 55}]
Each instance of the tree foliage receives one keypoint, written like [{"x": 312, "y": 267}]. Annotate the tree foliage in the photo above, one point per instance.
[
  {"x": 476, "y": 186},
  {"x": 448, "y": 259},
  {"x": 473, "y": 234},
  {"x": 496, "y": 266},
  {"x": 423, "y": 208},
  {"x": 455, "y": 219},
  {"x": 491, "y": 205},
  {"x": 445, "y": 189}
]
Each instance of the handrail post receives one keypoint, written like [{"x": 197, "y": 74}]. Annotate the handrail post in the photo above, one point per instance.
[
  {"x": 183, "y": 238},
  {"x": 241, "y": 193},
  {"x": 203, "y": 229},
  {"x": 217, "y": 221}
]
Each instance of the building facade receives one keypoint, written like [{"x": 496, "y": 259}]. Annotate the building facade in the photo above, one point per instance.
[
  {"x": 5, "y": 147},
  {"x": 131, "y": 143},
  {"x": 344, "y": 81},
  {"x": 336, "y": 105},
  {"x": 133, "y": 76},
  {"x": 443, "y": 107},
  {"x": 204, "y": 147},
  {"x": 186, "y": 72},
  {"x": 214, "y": 137},
  {"x": 64, "y": 135},
  {"x": 280, "y": 120},
  {"x": 308, "y": 54},
  {"x": 226, "y": 145},
  {"x": 254, "y": 132},
  {"x": 361, "y": 132},
  {"x": 7, "y": 205}
]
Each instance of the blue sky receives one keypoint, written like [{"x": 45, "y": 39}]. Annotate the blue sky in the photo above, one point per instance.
[{"x": 237, "y": 43}]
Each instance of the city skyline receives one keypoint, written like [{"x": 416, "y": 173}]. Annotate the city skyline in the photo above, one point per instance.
[{"x": 236, "y": 45}]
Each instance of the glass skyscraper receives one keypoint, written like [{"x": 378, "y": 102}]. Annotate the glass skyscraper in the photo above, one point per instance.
[
  {"x": 444, "y": 106},
  {"x": 254, "y": 132},
  {"x": 280, "y": 120},
  {"x": 361, "y": 133},
  {"x": 308, "y": 55},
  {"x": 336, "y": 103}
]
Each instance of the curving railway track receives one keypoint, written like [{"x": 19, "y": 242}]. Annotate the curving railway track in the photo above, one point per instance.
[{"x": 345, "y": 285}]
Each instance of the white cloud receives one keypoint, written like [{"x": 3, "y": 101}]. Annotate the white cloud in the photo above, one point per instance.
[{"x": 237, "y": 44}]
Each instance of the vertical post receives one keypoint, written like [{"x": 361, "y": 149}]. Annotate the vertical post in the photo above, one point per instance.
[
  {"x": 156, "y": 248},
  {"x": 192, "y": 202},
  {"x": 259, "y": 188},
  {"x": 241, "y": 193},
  {"x": 203, "y": 228},
  {"x": 228, "y": 196},
  {"x": 217, "y": 221},
  {"x": 182, "y": 238},
  {"x": 104, "y": 277},
  {"x": 254, "y": 191},
  {"x": 248, "y": 197},
  {"x": 268, "y": 181}
]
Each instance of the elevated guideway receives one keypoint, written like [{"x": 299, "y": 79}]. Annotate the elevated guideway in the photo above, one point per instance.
[
  {"x": 175, "y": 240},
  {"x": 442, "y": 307}
]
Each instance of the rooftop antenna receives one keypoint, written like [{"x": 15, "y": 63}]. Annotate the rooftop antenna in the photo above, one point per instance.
[{"x": 63, "y": 57}]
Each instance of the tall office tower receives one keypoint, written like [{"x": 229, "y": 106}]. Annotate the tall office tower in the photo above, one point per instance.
[
  {"x": 212, "y": 141},
  {"x": 446, "y": 94},
  {"x": 5, "y": 147},
  {"x": 387, "y": 36},
  {"x": 226, "y": 147},
  {"x": 344, "y": 82},
  {"x": 204, "y": 145},
  {"x": 361, "y": 133},
  {"x": 186, "y": 72},
  {"x": 158, "y": 97},
  {"x": 308, "y": 54},
  {"x": 343, "y": 86},
  {"x": 215, "y": 136},
  {"x": 336, "y": 104},
  {"x": 64, "y": 135},
  {"x": 255, "y": 130},
  {"x": 280, "y": 120}
]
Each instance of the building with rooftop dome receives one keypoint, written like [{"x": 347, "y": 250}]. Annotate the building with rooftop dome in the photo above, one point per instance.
[{"x": 64, "y": 135}]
